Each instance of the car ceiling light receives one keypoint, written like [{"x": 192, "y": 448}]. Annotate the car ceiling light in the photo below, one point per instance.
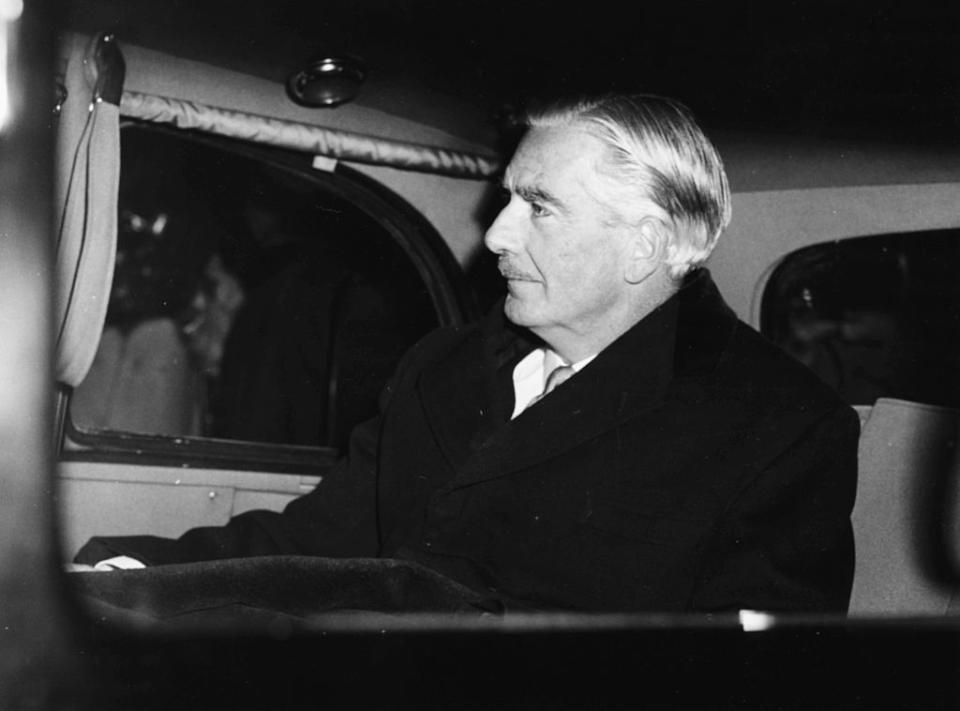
[{"x": 327, "y": 81}]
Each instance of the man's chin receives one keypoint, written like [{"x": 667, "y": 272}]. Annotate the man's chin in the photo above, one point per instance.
[{"x": 518, "y": 312}]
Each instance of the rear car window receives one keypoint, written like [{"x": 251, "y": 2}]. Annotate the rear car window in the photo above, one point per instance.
[{"x": 875, "y": 316}]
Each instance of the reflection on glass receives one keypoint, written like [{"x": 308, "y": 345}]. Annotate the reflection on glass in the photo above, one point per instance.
[{"x": 873, "y": 317}]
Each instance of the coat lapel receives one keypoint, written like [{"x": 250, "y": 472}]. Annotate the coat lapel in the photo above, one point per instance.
[{"x": 468, "y": 397}]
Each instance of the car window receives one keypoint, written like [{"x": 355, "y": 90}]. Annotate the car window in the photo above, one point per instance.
[
  {"x": 875, "y": 316},
  {"x": 250, "y": 301}
]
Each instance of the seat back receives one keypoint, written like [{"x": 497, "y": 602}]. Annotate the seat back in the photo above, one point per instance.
[{"x": 906, "y": 500}]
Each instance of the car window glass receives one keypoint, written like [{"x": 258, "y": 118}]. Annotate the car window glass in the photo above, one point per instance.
[
  {"x": 874, "y": 316},
  {"x": 248, "y": 302}
]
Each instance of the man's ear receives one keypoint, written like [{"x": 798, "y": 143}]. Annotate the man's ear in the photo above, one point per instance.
[{"x": 648, "y": 248}]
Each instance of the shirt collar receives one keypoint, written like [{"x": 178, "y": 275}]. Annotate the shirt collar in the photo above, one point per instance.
[{"x": 530, "y": 374}]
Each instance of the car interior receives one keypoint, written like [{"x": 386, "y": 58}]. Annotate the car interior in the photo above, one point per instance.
[{"x": 229, "y": 222}]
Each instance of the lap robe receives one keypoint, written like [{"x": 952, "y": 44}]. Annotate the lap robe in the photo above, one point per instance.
[{"x": 300, "y": 589}]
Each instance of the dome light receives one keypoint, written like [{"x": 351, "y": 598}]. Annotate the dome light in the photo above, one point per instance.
[{"x": 327, "y": 81}]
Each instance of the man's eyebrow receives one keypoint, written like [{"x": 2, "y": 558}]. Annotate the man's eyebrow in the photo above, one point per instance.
[{"x": 534, "y": 193}]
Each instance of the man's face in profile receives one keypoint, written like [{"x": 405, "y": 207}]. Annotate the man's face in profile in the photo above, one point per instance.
[{"x": 561, "y": 255}]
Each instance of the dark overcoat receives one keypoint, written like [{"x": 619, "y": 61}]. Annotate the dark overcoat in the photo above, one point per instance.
[{"x": 690, "y": 466}]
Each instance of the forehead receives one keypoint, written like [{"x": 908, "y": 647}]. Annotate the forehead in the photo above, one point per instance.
[{"x": 555, "y": 158}]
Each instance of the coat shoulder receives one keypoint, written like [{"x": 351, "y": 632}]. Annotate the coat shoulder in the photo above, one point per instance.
[{"x": 758, "y": 368}]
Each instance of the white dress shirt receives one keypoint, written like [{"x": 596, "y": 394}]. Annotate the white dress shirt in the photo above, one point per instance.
[{"x": 530, "y": 375}]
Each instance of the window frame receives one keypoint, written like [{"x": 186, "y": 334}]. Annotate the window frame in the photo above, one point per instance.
[{"x": 429, "y": 254}]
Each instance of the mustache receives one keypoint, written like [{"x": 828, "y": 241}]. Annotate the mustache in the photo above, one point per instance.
[{"x": 511, "y": 271}]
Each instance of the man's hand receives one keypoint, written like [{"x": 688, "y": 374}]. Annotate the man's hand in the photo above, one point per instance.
[{"x": 120, "y": 562}]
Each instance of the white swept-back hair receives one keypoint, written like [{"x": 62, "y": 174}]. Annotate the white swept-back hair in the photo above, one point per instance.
[{"x": 660, "y": 163}]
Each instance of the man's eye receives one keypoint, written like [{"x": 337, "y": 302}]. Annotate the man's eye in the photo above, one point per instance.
[{"x": 537, "y": 209}]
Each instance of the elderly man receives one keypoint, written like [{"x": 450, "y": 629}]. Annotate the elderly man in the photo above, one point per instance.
[{"x": 611, "y": 437}]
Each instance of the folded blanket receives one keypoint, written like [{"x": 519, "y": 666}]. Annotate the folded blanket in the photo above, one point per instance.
[{"x": 293, "y": 590}]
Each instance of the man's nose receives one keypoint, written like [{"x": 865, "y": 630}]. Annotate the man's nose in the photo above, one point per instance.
[{"x": 502, "y": 236}]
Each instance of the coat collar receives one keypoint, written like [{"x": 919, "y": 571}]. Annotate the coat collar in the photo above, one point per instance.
[{"x": 468, "y": 397}]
